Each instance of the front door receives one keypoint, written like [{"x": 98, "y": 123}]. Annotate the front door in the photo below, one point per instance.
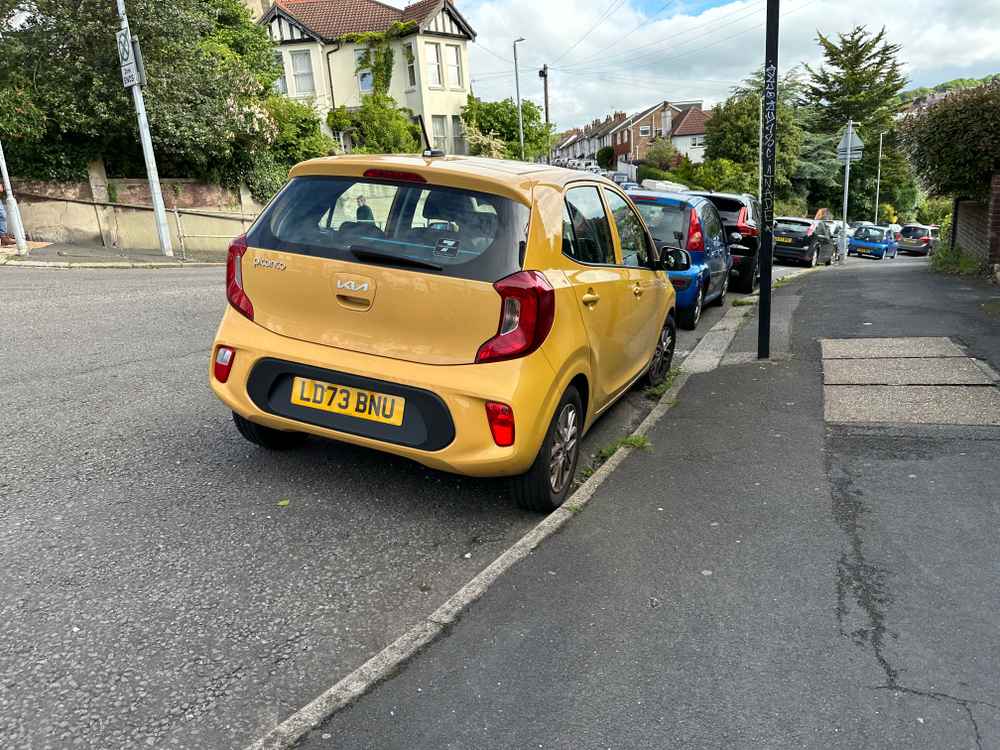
[{"x": 716, "y": 250}]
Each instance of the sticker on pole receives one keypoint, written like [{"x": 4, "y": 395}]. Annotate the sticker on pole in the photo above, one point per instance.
[{"x": 130, "y": 73}]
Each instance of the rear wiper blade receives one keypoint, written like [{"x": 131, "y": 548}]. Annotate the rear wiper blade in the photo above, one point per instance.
[{"x": 367, "y": 253}]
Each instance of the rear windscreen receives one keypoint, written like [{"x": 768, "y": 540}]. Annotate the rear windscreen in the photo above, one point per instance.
[
  {"x": 435, "y": 229},
  {"x": 914, "y": 233},
  {"x": 869, "y": 234},
  {"x": 666, "y": 223},
  {"x": 791, "y": 225},
  {"x": 728, "y": 207}
]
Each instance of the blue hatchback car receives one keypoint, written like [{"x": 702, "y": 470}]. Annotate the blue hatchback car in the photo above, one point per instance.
[
  {"x": 692, "y": 223},
  {"x": 873, "y": 242}
]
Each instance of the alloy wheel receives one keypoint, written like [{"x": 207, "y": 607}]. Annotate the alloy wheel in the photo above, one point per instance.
[
  {"x": 698, "y": 304},
  {"x": 663, "y": 356},
  {"x": 564, "y": 446}
]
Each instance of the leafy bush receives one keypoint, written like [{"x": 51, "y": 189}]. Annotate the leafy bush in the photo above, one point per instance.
[
  {"x": 378, "y": 126},
  {"x": 299, "y": 136},
  {"x": 606, "y": 158},
  {"x": 662, "y": 154},
  {"x": 953, "y": 145},
  {"x": 796, "y": 205},
  {"x": 955, "y": 261}
]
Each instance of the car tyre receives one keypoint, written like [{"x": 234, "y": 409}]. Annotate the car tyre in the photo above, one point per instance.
[
  {"x": 748, "y": 281},
  {"x": 545, "y": 486},
  {"x": 663, "y": 355},
  {"x": 690, "y": 316},
  {"x": 265, "y": 437},
  {"x": 721, "y": 299}
]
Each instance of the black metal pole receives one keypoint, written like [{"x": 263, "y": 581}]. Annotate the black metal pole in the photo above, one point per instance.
[{"x": 767, "y": 184}]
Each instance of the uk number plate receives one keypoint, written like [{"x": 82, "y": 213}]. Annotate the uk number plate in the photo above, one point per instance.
[
  {"x": 786, "y": 240},
  {"x": 352, "y": 402}
]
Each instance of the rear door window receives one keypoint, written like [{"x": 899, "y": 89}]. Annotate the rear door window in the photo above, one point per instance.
[
  {"x": 914, "y": 233},
  {"x": 631, "y": 231},
  {"x": 461, "y": 233},
  {"x": 794, "y": 226},
  {"x": 591, "y": 230}
]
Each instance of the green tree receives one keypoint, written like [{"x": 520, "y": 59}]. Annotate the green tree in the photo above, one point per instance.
[
  {"x": 378, "y": 126},
  {"x": 860, "y": 79},
  {"x": 661, "y": 154},
  {"x": 953, "y": 145},
  {"x": 606, "y": 158},
  {"x": 725, "y": 176},
  {"x": 499, "y": 119}
]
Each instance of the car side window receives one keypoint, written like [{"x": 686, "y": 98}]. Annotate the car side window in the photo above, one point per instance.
[
  {"x": 631, "y": 231},
  {"x": 590, "y": 228}
]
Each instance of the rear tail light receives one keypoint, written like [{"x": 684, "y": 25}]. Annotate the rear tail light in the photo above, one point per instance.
[
  {"x": 681, "y": 283},
  {"x": 234, "y": 277},
  {"x": 742, "y": 226},
  {"x": 696, "y": 240},
  {"x": 222, "y": 365},
  {"x": 899, "y": 236},
  {"x": 527, "y": 308},
  {"x": 925, "y": 240},
  {"x": 501, "y": 420}
]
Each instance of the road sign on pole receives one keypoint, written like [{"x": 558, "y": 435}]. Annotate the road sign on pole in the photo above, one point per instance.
[
  {"x": 770, "y": 138},
  {"x": 851, "y": 147},
  {"x": 131, "y": 79},
  {"x": 850, "y": 140}
]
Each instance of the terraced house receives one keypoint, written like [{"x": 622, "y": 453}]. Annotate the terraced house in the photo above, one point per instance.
[{"x": 430, "y": 73}]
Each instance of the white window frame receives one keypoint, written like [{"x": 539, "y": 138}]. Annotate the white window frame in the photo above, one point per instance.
[
  {"x": 457, "y": 135},
  {"x": 440, "y": 141},
  {"x": 645, "y": 131},
  {"x": 453, "y": 70},
  {"x": 281, "y": 85},
  {"x": 299, "y": 54},
  {"x": 411, "y": 65},
  {"x": 363, "y": 72},
  {"x": 435, "y": 66}
]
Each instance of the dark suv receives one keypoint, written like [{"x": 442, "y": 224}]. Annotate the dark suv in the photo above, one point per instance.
[{"x": 741, "y": 214}]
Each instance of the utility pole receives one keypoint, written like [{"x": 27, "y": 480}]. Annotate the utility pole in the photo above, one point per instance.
[
  {"x": 13, "y": 212},
  {"x": 517, "y": 89},
  {"x": 770, "y": 140},
  {"x": 544, "y": 75},
  {"x": 878, "y": 179},
  {"x": 133, "y": 76}
]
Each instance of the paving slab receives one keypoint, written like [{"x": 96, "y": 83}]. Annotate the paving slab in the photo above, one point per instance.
[
  {"x": 920, "y": 404},
  {"x": 904, "y": 371},
  {"x": 904, "y": 346}
]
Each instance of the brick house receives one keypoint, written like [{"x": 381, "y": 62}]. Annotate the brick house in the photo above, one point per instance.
[{"x": 682, "y": 122}]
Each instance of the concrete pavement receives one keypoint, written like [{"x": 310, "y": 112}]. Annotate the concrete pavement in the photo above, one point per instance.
[{"x": 759, "y": 578}]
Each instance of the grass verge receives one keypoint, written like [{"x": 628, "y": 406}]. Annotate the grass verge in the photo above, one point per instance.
[
  {"x": 745, "y": 301},
  {"x": 653, "y": 393},
  {"x": 955, "y": 261}
]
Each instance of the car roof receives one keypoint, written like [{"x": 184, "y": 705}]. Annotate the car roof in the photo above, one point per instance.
[
  {"x": 794, "y": 218},
  {"x": 733, "y": 196},
  {"x": 514, "y": 179},
  {"x": 666, "y": 198}
]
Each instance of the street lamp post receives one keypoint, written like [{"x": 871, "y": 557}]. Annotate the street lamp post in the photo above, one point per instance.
[
  {"x": 878, "y": 179},
  {"x": 517, "y": 90}
]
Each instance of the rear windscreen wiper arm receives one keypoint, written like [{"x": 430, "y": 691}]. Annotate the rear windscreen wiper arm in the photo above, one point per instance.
[{"x": 367, "y": 253}]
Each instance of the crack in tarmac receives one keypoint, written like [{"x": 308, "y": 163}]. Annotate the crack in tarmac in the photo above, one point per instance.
[{"x": 866, "y": 584}]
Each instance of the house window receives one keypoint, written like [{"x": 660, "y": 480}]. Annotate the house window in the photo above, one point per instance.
[
  {"x": 365, "y": 79},
  {"x": 644, "y": 131},
  {"x": 302, "y": 72},
  {"x": 434, "y": 77},
  {"x": 439, "y": 129},
  {"x": 281, "y": 85},
  {"x": 698, "y": 140},
  {"x": 454, "y": 60},
  {"x": 411, "y": 65},
  {"x": 458, "y": 134}
]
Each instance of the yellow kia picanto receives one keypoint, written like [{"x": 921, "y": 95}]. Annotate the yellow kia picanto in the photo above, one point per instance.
[{"x": 471, "y": 314}]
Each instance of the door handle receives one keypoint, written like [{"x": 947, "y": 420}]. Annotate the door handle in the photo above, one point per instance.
[{"x": 590, "y": 299}]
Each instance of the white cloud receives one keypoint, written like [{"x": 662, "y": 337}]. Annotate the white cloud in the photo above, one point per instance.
[{"x": 699, "y": 54}]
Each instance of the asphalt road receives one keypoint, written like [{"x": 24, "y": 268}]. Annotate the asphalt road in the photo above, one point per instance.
[
  {"x": 758, "y": 579},
  {"x": 152, "y": 591}
]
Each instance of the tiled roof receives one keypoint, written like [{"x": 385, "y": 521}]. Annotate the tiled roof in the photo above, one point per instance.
[
  {"x": 692, "y": 122},
  {"x": 331, "y": 19}
]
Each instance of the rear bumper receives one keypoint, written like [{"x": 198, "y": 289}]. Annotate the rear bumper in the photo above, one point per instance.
[
  {"x": 447, "y": 428},
  {"x": 922, "y": 250},
  {"x": 792, "y": 252}
]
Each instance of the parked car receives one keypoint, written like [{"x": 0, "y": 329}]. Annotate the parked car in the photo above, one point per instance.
[
  {"x": 346, "y": 329},
  {"x": 873, "y": 242},
  {"x": 856, "y": 224},
  {"x": 619, "y": 178},
  {"x": 805, "y": 241},
  {"x": 918, "y": 239},
  {"x": 630, "y": 186},
  {"x": 691, "y": 222},
  {"x": 740, "y": 215}
]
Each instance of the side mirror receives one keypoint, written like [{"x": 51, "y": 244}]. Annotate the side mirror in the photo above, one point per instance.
[
  {"x": 675, "y": 259},
  {"x": 735, "y": 237}
]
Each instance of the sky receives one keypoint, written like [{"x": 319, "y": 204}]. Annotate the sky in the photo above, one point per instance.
[{"x": 648, "y": 50}]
